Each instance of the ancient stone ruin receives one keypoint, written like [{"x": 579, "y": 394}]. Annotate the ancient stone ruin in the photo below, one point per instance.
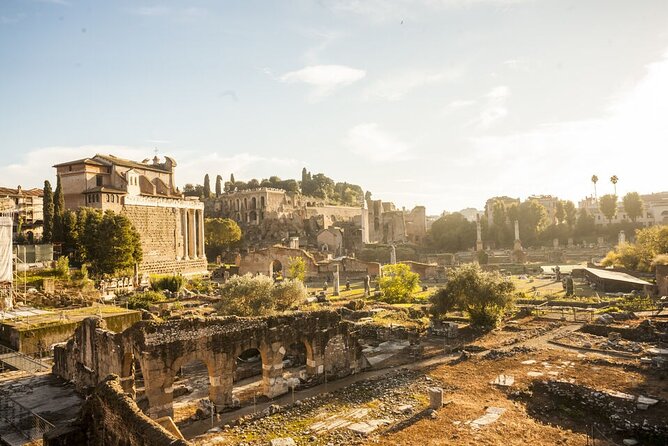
[{"x": 162, "y": 348}]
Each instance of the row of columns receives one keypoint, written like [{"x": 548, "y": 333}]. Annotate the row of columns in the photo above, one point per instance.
[{"x": 192, "y": 233}]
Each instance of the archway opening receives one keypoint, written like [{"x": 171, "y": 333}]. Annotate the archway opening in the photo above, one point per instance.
[
  {"x": 190, "y": 392},
  {"x": 247, "y": 376},
  {"x": 277, "y": 269}
]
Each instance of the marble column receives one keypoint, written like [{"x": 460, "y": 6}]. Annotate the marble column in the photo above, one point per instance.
[
  {"x": 191, "y": 234},
  {"x": 184, "y": 232},
  {"x": 201, "y": 234}
]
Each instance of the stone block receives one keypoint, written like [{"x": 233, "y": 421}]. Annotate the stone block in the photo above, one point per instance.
[{"x": 435, "y": 397}]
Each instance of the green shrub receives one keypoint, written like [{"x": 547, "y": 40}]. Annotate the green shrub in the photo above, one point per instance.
[
  {"x": 636, "y": 303},
  {"x": 398, "y": 283},
  {"x": 63, "y": 267},
  {"x": 143, "y": 301},
  {"x": 169, "y": 283},
  {"x": 259, "y": 296}
]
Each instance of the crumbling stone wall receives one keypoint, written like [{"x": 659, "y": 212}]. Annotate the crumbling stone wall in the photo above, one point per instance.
[
  {"x": 260, "y": 261},
  {"x": 162, "y": 348},
  {"x": 111, "y": 418}
]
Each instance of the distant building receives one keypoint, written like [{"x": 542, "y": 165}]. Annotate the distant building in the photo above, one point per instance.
[
  {"x": 489, "y": 206},
  {"x": 29, "y": 215},
  {"x": 171, "y": 226},
  {"x": 655, "y": 210},
  {"x": 549, "y": 203},
  {"x": 472, "y": 214},
  {"x": 282, "y": 212}
]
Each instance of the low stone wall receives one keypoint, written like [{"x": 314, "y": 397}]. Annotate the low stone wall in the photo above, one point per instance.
[
  {"x": 622, "y": 413},
  {"x": 111, "y": 418},
  {"x": 642, "y": 333},
  {"x": 32, "y": 341}
]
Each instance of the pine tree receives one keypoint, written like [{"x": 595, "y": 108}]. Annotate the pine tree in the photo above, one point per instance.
[
  {"x": 232, "y": 179},
  {"x": 58, "y": 212},
  {"x": 219, "y": 186},
  {"x": 207, "y": 186},
  {"x": 47, "y": 233}
]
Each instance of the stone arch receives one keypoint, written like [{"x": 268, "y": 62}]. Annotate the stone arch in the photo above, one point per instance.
[
  {"x": 276, "y": 267},
  {"x": 262, "y": 202},
  {"x": 252, "y": 216},
  {"x": 218, "y": 392},
  {"x": 253, "y": 203}
]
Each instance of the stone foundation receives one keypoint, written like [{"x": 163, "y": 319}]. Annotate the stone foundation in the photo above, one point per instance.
[
  {"x": 111, "y": 418},
  {"x": 162, "y": 348}
]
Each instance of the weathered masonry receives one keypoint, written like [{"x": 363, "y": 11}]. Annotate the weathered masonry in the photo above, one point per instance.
[
  {"x": 162, "y": 348},
  {"x": 171, "y": 226}
]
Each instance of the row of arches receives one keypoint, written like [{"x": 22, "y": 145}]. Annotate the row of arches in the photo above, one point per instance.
[{"x": 251, "y": 369}]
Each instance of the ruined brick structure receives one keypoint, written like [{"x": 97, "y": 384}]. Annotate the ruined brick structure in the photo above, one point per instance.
[
  {"x": 110, "y": 417},
  {"x": 276, "y": 259},
  {"x": 304, "y": 216},
  {"x": 387, "y": 224},
  {"x": 162, "y": 348},
  {"x": 171, "y": 226}
]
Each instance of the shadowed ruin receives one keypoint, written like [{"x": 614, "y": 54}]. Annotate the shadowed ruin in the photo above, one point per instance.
[{"x": 162, "y": 348}]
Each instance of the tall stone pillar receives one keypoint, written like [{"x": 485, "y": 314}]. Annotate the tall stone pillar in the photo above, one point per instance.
[
  {"x": 184, "y": 231},
  {"x": 273, "y": 383},
  {"x": 478, "y": 240},
  {"x": 621, "y": 238},
  {"x": 335, "y": 278},
  {"x": 393, "y": 255},
  {"x": 191, "y": 234},
  {"x": 201, "y": 234},
  {"x": 518, "y": 244},
  {"x": 365, "y": 222}
]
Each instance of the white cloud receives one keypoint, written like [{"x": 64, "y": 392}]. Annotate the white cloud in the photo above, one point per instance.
[
  {"x": 398, "y": 10},
  {"x": 371, "y": 142},
  {"x": 631, "y": 141},
  {"x": 456, "y": 105},
  {"x": 494, "y": 109},
  {"x": 324, "y": 78},
  {"x": 395, "y": 87}
]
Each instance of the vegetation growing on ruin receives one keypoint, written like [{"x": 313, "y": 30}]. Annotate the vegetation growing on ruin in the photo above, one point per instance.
[
  {"x": 167, "y": 282},
  {"x": 297, "y": 269},
  {"x": 259, "y": 296},
  {"x": 143, "y": 301},
  {"x": 650, "y": 243},
  {"x": 484, "y": 296},
  {"x": 398, "y": 283}
]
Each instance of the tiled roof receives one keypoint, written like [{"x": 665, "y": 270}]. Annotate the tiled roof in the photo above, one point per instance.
[{"x": 26, "y": 192}]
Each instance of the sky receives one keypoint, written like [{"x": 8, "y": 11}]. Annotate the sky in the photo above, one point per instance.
[{"x": 441, "y": 103}]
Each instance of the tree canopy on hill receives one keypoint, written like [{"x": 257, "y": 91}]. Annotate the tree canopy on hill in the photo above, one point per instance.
[{"x": 318, "y": 186}]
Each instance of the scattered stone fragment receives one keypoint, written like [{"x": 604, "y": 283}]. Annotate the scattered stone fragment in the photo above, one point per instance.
[
  {"x": 534, "y": 374},
  {"x": 504, "y": 380},
  {"x": 630, "y": 442},
  {"x": 528, "y": 362},
  {"x": 287, "y": 441},
  {"x": 491, "y": 415}
]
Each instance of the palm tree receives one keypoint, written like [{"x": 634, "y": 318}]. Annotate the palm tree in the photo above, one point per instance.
[
  {"x": 613, "y": 180},
  {"x": 594, "y": 179}
]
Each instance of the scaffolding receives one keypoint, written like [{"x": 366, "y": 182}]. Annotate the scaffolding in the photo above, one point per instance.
[{"x": 7, "y": 269}]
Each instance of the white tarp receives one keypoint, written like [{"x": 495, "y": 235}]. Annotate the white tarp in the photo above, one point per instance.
[{"x": 5, "y": 249}]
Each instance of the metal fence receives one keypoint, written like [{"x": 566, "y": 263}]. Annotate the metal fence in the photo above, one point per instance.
[
  {"x": 23, "y": 420},
  {"x": 11, "y": 359}
]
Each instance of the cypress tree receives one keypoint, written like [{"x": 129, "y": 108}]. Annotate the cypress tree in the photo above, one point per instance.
[
  {"x": 47, "y": 232},
  {"x": 58, "y": 212},
  {"x": 207, "y": 186},
  {"x": 219, "y": 186}
]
